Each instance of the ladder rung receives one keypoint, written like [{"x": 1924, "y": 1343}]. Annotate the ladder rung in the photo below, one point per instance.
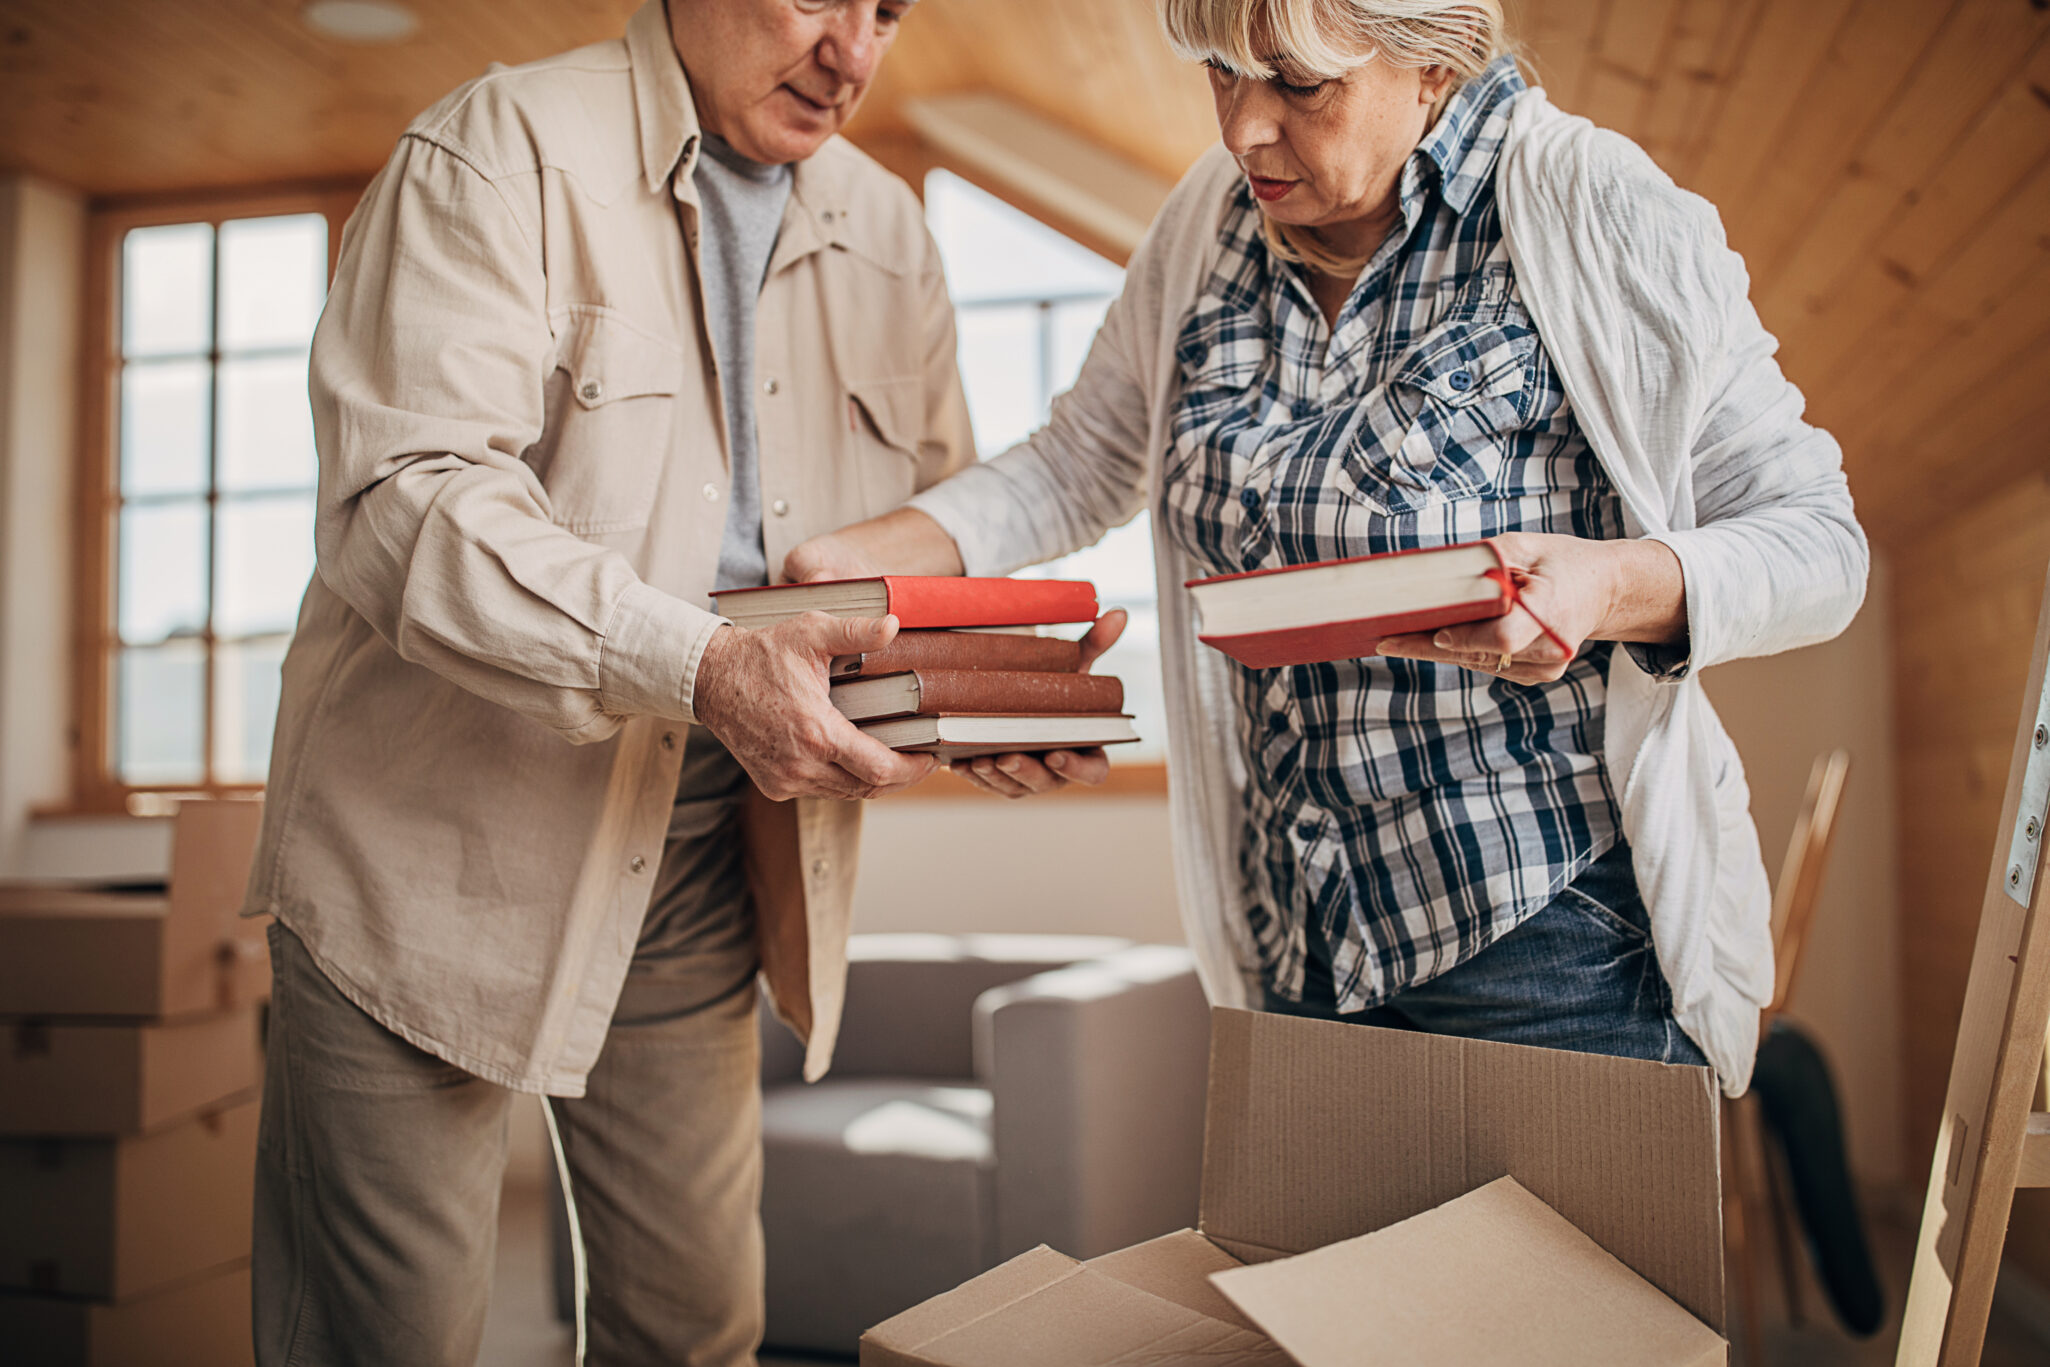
[{"x": 2035, "y": 1171}]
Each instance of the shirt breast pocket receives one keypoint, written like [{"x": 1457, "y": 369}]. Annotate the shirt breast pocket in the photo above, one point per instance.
[
  {"x": 611, "y": 403},
  {"x": 1439, "y": 429},
  {"x": 885, "y": 419}
]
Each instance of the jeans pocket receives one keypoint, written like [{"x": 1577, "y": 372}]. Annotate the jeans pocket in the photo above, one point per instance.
[{"x": 1622, "y": 916}]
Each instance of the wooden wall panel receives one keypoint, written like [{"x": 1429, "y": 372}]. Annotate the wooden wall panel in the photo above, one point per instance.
[
  {"x": 1708, "y": 38},
  {"x": 1780, "y": 58},
  {"x": 1873, "y": 52}
]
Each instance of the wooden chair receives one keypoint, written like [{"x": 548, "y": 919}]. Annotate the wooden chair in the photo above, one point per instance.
[{"x": 1754, "y": 1190}]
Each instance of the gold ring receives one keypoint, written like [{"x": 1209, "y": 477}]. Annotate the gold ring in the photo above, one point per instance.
[{"x": 1502, "y": 665}]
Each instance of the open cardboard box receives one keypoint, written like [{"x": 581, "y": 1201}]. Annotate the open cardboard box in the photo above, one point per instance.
[{"x": 1369, "y": 1159}]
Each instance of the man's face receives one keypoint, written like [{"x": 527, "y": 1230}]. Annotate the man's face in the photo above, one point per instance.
[{"x": 776, "y": 78}]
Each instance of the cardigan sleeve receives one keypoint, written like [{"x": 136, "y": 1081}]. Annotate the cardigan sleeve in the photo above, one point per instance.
[
  {"x": 1068, "y": 483},
  {"x": 1087, "y": 470},
  {"x": 1768, "y": 541},
  {"x": 1776, "y": 559}
]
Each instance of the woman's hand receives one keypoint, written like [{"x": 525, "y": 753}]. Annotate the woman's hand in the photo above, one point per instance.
[
  {"x": 903, "y": 542},
  {"x": 1024, "y": 775},
  {"x": 1584, "y": 590}
]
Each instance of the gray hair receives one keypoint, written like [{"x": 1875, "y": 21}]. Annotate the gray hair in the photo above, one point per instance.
[{"x": 1325, "y": 39}]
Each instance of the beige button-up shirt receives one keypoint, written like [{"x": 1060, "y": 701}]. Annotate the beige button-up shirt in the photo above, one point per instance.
[{"x": 523, "y": 481}]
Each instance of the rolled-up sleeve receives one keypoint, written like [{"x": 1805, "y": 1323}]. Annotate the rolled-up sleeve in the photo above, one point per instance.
[{"x": 427, "y": 383}]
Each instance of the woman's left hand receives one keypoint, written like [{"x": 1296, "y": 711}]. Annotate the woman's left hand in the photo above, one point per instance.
[{"x": 1584, "y": 590}]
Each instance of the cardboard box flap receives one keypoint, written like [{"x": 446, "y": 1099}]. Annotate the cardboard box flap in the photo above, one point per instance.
[
  {"x": 1492, "y": 1278},
  {"x": 1176, "y": 1267},
  {"x": 1317, "y": 1132},
  {"x": 1043, "y": 1308},
  {"x": 902, "y": 1335}
]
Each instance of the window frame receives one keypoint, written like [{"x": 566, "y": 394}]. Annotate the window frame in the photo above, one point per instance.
[{"x": 95, "y": 787}]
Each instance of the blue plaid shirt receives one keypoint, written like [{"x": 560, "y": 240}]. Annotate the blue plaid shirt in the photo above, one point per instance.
[{"x": 1407, "y": 813}]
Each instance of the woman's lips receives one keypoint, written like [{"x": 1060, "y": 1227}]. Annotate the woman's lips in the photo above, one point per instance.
[{"x": 1269, "y": 189}]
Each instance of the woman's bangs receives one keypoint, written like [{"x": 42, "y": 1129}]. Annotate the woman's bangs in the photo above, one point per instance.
[{"x": 1248, "y": 37}]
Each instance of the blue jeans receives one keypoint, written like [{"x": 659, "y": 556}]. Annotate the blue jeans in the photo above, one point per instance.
[{"x": 1579, "y": 974}]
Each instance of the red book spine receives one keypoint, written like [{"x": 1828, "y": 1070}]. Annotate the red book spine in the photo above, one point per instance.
[{"x": 945, "y": 601}]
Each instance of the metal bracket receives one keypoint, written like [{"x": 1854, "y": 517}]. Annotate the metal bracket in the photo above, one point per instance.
[{"x": 2033, "y": 812}]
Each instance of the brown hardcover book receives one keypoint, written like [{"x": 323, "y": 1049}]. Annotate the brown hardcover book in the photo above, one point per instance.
[
  {"x": 962, "y": 650},
  {"x": 990, "y": 692}
]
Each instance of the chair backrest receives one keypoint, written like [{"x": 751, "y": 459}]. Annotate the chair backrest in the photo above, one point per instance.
[{"x": 1800, "y": 882}]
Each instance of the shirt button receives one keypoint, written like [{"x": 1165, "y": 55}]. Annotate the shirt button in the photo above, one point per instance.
[
  {"x": 781, "y": 508},
  {"x": 1249, "y": 499},
  {"x": 1306, "y": 830},
  {"x": 637, "y": 864},
  {"x": 769, "y": 386},
  {"x": 711, "y": 493},
  {"x": 591, "y": 391},
  {"x": 820, "y": 868},
  {"x": 1460, "y": 380},
  {"x": 668, "y": 740}
]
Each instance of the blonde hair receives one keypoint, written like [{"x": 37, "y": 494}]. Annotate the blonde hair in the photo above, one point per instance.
[{"x": 1325, "y": 39}]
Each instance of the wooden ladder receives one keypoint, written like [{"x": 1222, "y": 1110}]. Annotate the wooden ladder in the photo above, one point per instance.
[{"x": 1992, "y": 1140}]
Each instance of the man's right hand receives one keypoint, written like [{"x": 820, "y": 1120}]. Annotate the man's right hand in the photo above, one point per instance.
[{"x": 764, "y": 695}]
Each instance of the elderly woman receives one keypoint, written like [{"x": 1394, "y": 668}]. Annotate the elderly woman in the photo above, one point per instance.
[{"x": 1409, "y": 303}]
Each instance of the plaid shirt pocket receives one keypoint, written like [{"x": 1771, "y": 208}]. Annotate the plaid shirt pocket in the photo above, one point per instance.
[{"x": 1439, "y": 429}]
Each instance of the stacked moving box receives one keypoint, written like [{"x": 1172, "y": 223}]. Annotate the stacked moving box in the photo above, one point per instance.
[{"x": 129, "y": 1063}]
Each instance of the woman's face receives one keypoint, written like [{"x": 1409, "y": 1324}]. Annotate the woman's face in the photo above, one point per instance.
[{"x": 1325, "y": 153}]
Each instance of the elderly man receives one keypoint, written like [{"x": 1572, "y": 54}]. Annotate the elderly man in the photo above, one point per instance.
[{"x": 609, "y": 331}]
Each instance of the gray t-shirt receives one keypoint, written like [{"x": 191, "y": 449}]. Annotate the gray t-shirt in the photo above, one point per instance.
[{"x": 743, "y": 203}]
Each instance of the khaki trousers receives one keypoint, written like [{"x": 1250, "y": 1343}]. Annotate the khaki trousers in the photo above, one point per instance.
[{"x": 379, "y": 1165}]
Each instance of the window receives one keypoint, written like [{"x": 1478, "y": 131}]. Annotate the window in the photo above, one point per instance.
[
  {"x": 1028, "y": 302},
  {"x": 200, "y": 495}
]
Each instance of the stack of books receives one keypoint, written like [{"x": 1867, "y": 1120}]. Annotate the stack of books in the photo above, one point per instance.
[{"x": 968, "y": 672}]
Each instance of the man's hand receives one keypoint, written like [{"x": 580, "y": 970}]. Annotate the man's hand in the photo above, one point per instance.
[
  {"x": 1024, "y": 775},
  {"x": 763, "y": 693},
  {"x": 1584, "y": 590}
]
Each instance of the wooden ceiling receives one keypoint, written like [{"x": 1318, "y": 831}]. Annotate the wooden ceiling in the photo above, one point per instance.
[{"x": 1884, "y": 165}]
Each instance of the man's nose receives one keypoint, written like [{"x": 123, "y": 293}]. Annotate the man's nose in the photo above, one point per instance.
[{"x": 852, "y": 47}]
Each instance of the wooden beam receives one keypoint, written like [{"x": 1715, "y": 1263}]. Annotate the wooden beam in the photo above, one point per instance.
[{"x": 1024, "y": 156}]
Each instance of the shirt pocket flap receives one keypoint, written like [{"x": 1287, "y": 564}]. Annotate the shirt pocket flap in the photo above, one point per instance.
[
  {"x": 1469, "y": 362},
  {"x": 609, "y": 358},
  {"x": 894, "y": 408}
]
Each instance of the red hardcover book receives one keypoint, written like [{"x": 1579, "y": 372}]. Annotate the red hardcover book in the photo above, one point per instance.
[
  {"x": 1343, "y": 609},
  {"x": 918, "y": 601}
]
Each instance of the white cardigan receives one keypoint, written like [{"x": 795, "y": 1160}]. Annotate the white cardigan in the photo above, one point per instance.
[{"x": 1645, "y": 313}]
